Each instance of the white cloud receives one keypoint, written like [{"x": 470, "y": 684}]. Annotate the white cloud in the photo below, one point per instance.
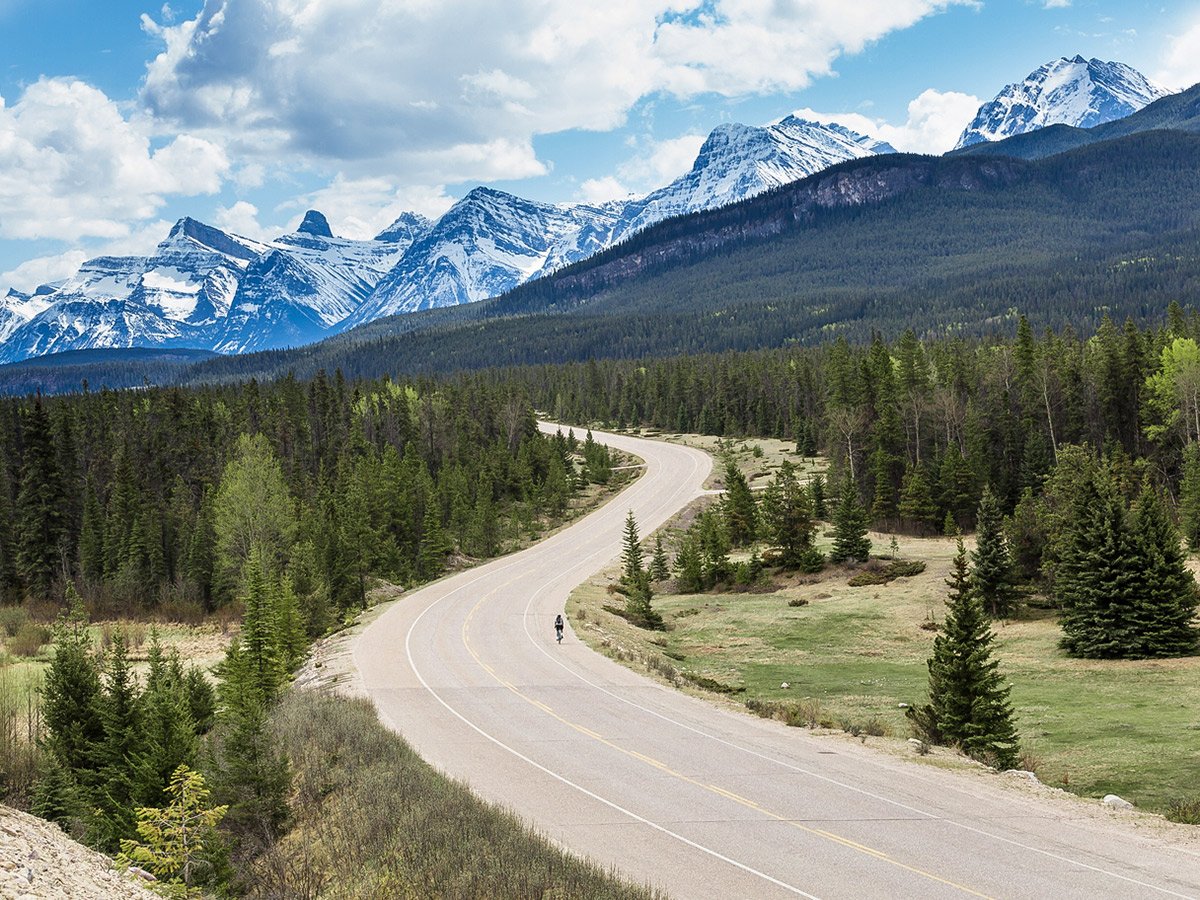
[
  {"x": 242, "y": 218},
  {"x": 74, "y": 167},
  {"x": 599, "y": 190},
  {"x": 1056, "y": 4},
  {"x": 456, "y": 90},
  {"x": 363, "y": 207},
  {"x": 935, "y": 121},
  {"x": 42, "y": 270},
  {"x": 1181, "y": 61}
]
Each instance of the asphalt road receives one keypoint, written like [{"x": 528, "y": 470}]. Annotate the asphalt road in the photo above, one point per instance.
[{"x": 697, "y": 800}]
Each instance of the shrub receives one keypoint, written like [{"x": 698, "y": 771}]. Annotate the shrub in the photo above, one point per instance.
[
  {"x": 797, "y": 601},
  {"x": 12, "y": 618},
  {"x": 29, "y": 639},
  {"x": 905, "y": 568},
  {"x": 866, "y": 579}
]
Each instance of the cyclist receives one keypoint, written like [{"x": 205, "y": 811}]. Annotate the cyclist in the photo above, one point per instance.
[{"x": 558, "y": 627}]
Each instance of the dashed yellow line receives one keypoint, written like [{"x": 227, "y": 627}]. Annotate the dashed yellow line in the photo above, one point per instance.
[{"x": 711, "y": 788}]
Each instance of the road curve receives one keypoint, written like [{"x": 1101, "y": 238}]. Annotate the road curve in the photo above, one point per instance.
[{"x": 697, "y": 800}]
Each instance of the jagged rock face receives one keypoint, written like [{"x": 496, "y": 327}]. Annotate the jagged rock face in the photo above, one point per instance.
[{"x": 1080, "y": 92}]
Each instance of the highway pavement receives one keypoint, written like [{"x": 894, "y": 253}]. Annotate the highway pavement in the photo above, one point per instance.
[{"x": 698, "y": 800}]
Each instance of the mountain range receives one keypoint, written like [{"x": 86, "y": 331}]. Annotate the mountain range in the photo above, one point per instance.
[{"x": 205, "y": 288}]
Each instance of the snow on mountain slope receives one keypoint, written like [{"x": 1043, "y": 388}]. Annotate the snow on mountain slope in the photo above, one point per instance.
[
  {"x": 306, "y": 283},
  {"x": 490, "y": 242},
  {"x": 486, "y": 244},
  {"x": 17, "y": 308},
  {"x": 1080, "y": 92},
  {"x": 739, "y": 161}
]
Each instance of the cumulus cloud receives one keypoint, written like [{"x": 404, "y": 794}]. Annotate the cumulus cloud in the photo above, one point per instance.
[
  {"x": 75, "y": 167},
  {"x": 935, "y": 121},
  {"x": 362, "y": 207},
  {"x": 1181, "y": 61},
  {"x": 42, "y": 270},
  {"x": 456, "y": 90}
]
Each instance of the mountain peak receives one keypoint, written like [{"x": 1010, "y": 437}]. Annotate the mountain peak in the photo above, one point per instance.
[
  {"x": 407, "y": 228},
  {"x": 315, "y": 224},
  {"x": 1065, "y": 91}
]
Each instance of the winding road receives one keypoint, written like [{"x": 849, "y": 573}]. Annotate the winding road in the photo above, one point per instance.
[{"x": 698, "y": 800}]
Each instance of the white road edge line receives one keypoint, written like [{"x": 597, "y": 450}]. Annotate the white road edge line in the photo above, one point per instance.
[{"x": 825, "y": 778}]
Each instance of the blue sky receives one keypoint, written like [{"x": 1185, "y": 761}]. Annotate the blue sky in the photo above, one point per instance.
[{"x": 244, "y": 113}]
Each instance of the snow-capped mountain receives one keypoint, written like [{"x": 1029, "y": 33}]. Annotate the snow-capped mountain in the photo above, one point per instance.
[
  {"x": 739, "y": 161},
  {"x": 173, "y": 298},
  {"x": 1080, "y": 92},
  {"x": 305, "y": 283},
  {"x": 490, "y": 241},
  {"x": 487, "y": 243},
  {"x": 208, "y": 289}
]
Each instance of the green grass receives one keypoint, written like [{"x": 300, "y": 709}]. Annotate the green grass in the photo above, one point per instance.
[{"x": 1093, "y": 727}]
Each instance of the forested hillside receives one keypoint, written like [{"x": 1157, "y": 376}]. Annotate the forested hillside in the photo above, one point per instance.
[
  {"x": 945, "y": 246},
  {"x": 153, "y": 497}
]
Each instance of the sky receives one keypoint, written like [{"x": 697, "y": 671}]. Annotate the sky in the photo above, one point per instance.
[{"x": 116, "y": 119}]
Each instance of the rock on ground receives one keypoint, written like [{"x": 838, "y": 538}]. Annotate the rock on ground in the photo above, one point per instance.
[{"x": 38, "y": 860}]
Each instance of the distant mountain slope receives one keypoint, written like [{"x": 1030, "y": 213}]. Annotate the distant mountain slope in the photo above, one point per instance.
[
  {"x": 115, "y": 369},
  {"x": 1175, "y": 112},
  {"x": 944, "y": 245},
  {"x": 1078, "y": 92},
  {"x": 490, "y": 241}
]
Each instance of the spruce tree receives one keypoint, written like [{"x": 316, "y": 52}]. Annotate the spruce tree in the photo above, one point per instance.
[
  {"x": 992, "y": 569},
  {"x": 168, "y": 730},
  {"x": 850, "y": 541},
  {"x": 118, "y": 753},
  {"x": 968, "y": 699},
  {"x": 1189, "y": 496},
  {"x": 1168, "y": 601},
  {"x": 916, "y": 501},
  {"x": 816, "y": 491},
  {"x": 1098, "y": 579},
  {"x": 41, "y": 522},
  {"x": 660, "y": 565},
  {"x": 631, "y": 552},
  {"x": 738, "y": 507},
  {"x": 788, "y": 521},
  {"x": 689, "y": 569}
]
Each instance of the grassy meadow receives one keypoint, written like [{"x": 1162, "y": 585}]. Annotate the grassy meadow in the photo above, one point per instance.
[{"x": 851, "y": 657}]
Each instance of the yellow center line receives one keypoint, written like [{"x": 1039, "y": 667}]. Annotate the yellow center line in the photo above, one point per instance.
[{"x": 711, "y": 788}]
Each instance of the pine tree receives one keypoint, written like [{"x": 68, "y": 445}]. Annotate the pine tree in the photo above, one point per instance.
[
  {"x": 1168, "y": 601},
  {"x": 660, "y": 565},
  {"x": 631, "y": 553},
  {"x": 916, "y": 501},
  {"x": 992, "y": 564},
  {"x": 1098, "y": 582},
  {"x": 41, "y": 522},
  {"x": 788, "y": 521},
  {"x": 738, "y": 507},
  {"x": 689, "y": 568},
  {"x": 968, "y": 699},
  {"x": 850, "y": 541},
  {"x": 1189, "y": 496},
  {"x": 71, "y": 697}
]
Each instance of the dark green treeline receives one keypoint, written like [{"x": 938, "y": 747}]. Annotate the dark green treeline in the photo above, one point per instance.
[{"x": 151, "y": 498}]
